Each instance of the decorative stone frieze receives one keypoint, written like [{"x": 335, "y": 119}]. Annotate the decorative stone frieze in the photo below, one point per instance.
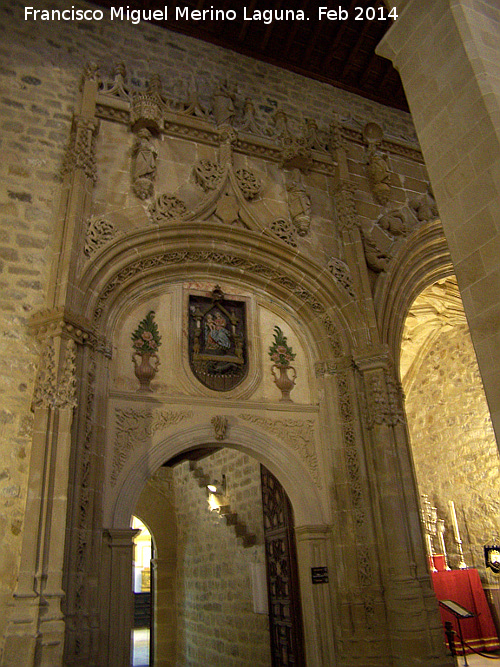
[
  {"x": 58, "y": 322},
  {"x": 135, "y": 428},
  {"x": 298, "y": 433}
]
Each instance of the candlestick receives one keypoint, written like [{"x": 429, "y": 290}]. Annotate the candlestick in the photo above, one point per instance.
[{"x": 454, "y": 523}]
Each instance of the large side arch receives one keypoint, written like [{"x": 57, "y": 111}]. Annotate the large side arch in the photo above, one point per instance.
[{"x": 423, "y": 260}]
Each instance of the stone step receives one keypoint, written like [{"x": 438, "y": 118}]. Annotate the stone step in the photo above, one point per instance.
[{"x": 230, "y": 518}]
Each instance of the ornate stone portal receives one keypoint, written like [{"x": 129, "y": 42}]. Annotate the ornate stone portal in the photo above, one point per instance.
[{"x": 291, "y": 253}]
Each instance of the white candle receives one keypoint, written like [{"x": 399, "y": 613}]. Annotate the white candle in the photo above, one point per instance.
[{"x": 454, "y": 520}]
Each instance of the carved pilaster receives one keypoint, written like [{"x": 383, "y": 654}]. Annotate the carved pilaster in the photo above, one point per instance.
[{"x": 80, "y": 153}]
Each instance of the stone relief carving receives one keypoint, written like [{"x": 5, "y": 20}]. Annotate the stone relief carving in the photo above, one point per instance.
[
  {"x": 135, "y": 428},
  {"x": 146, "y": 340},
  {"x": 208, "y": 256},
  {"x": 351, "y": 452},
  {"x": 377, "y": 167},
  {"x": 117, "y": 88},
  {"x": 342, "y": 275},
  {"x": 220, "y": 425},
  {"x": 167, "y": 207},
  {"x": 424, "y": 208},
  {"x": 223, "y": 105},
  {"x": 285, "y": 231},
  {"x": 346, "y": 207},
  {"x": 295, "y": 150},
  {"x": 144, "y": 155},
  {"x": 281, "y": 354},
  {"x": 365, "y": 568},
  {"x": 80, "y": 153},
  {"x": 298, "y": 433},
  {"x": 384, "y": 400},
  {"x": 249, "y": 185},
  {"x": 53, "y": 389},
  {"x": 376, "y": 259},
  {"x": 394, "y": 222},
  {"x": 299, "y": 204},
  {"x": 99, "y": 232},
  {"x": 208, "y": 174}
]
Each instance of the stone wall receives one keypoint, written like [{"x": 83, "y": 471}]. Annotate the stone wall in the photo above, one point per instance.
[
  {"x": 216, "y": 621},
  {"x": 453, "y": 443}
]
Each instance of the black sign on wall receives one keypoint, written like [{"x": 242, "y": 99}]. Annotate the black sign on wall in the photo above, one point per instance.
[{"x": 319, "y": 575}]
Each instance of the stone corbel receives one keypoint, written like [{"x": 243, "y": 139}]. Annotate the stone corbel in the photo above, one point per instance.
[{"x": 147, "y": 108}]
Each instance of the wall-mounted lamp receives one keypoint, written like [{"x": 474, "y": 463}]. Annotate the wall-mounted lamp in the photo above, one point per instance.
[
  {"x": 218, "y": 488},
  {"x": 216, "y": 492}
]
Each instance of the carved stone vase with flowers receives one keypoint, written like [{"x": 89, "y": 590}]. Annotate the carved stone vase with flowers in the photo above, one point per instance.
[
  {"x": 146, "y": 341},
  {"x": 281, "y": 355}
]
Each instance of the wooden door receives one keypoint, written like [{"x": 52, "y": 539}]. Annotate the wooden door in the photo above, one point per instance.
[{"x": 285, "y": 618}]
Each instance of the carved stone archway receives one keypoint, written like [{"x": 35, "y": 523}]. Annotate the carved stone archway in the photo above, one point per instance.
[{"x": 312, "y": 527}]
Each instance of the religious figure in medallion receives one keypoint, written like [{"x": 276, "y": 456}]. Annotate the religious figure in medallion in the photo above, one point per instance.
[{"x": 217, "y": 340}]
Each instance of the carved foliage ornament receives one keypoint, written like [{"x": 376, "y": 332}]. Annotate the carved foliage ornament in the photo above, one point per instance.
[
  {"x": 56, "y": 387},
  {"x": 217, "y": 340},
  {"x": 342, "y": 275},
  {"x": 136, "y": 428},
  {"x": 298, "y": 433},
  {"x": 99, "y": 232},
  {"x": 167, "y": 207},
  {"x": 385, "y": 400}
]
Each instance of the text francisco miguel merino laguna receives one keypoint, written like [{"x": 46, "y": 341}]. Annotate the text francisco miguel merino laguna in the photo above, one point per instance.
[{"x": 187, "y": 14}]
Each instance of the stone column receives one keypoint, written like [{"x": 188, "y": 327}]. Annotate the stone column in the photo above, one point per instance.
[
  {"x": 117, "y": 610},
  {"x": 414, "y": 626},
  {"x": 313, "y": 547},
  {"x": 448, "y": 54},
  {"x": 35, "y": 633}
]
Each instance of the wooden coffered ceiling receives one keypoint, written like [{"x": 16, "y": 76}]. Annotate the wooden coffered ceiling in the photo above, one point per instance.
[{"x": 341, "y": 53}]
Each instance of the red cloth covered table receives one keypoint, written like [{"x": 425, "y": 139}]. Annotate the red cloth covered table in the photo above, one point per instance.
[{"x": 464, "y": 587}]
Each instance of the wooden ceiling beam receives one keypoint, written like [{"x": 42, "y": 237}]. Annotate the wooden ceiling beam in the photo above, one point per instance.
[
  {"x": 246, "y": 24},
  {"x": 338, "y": 38},
  {"x": 293, "y": 31}
]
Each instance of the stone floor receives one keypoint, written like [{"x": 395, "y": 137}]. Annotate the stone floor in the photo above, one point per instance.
[
  {"x": 140, "y": 644},
  {"x": 478, "y": 661}
]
